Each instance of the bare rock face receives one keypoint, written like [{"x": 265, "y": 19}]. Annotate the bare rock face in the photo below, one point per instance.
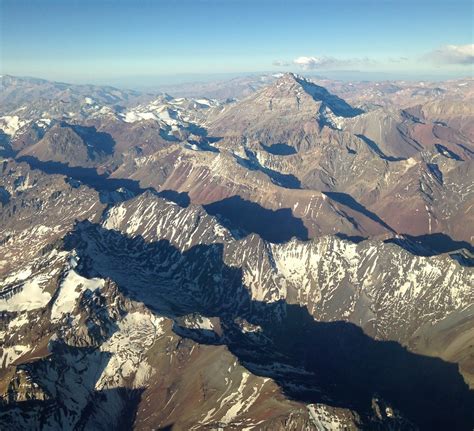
[
  {"x": 72, "y": 145},
  {"x": 289, "y": 261},
  {"x": 38, "y": 210},
  {"x": 291, "y": 104}
]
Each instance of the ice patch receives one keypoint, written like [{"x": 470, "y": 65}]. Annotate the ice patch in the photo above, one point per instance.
[
  {"x": 71, "y": 288},
  {"x": 133, "y": 116},
  {"x": 136, "y": 333},
  {"x": 203, "y": 102},
  {"x": 30, "y": 296}
]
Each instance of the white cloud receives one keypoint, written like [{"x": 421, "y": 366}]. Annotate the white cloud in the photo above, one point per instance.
[
  {"x": 307, "y": 62},
  {"x": 452, "y": 54},
  {"x": 323, "y": 62}
]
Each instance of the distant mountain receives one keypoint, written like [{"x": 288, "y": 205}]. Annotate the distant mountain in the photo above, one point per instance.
[
  {"x": 291, "y": 103},
  {"x": 38, "y": 97},
  {"x": 222, "y": 90}
]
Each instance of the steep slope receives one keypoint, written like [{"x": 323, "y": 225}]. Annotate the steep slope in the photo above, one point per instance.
[
  {"x": 221, "y": 179},
  {"x": 72, "y": 145},
  {"x": 37, "y": 210},
  {"x": 245, "y": 300},
  {"x": 78, "y": 353}
]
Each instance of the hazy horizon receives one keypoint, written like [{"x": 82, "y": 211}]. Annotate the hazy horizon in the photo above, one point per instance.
[
  {"x": 155, "y": 83},
  {"x": 149, "y": 44}
]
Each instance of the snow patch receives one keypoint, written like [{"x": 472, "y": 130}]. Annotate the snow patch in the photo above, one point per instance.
[
  {"x": 71, "y": 288},
  {"x": 10, "y": 124},
  {"x": 30, "y": 296}
]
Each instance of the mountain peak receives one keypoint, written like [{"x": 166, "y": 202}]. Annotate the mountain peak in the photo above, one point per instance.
[
  {"x": 306, "y": 91},
  {"x": 289, "y": 77},
  {"x": 291, "y": 102}
]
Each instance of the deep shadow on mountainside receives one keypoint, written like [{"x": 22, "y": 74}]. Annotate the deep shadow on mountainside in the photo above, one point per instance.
[
  {"x": 243, "y": 217},
  {"x": 89, "y": 176},
  {"x": 129, "y": 398},
  {"x": 53, "y": 367},
  {"x": 330, "y": 362},
  {"x": 276, "y": 226}
]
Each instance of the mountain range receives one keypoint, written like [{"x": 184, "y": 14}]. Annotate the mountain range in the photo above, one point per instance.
[{"x": 270, "y": 253}]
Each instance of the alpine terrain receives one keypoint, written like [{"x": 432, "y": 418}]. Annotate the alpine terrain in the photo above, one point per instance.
[{"x": 271, "y": 252}]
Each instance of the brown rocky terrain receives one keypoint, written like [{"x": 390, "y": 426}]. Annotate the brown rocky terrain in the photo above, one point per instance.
[{"x": 297, "y": 259}]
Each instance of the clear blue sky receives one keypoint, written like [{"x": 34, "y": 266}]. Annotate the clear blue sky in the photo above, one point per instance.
[{"x": 100, "y": 40}]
